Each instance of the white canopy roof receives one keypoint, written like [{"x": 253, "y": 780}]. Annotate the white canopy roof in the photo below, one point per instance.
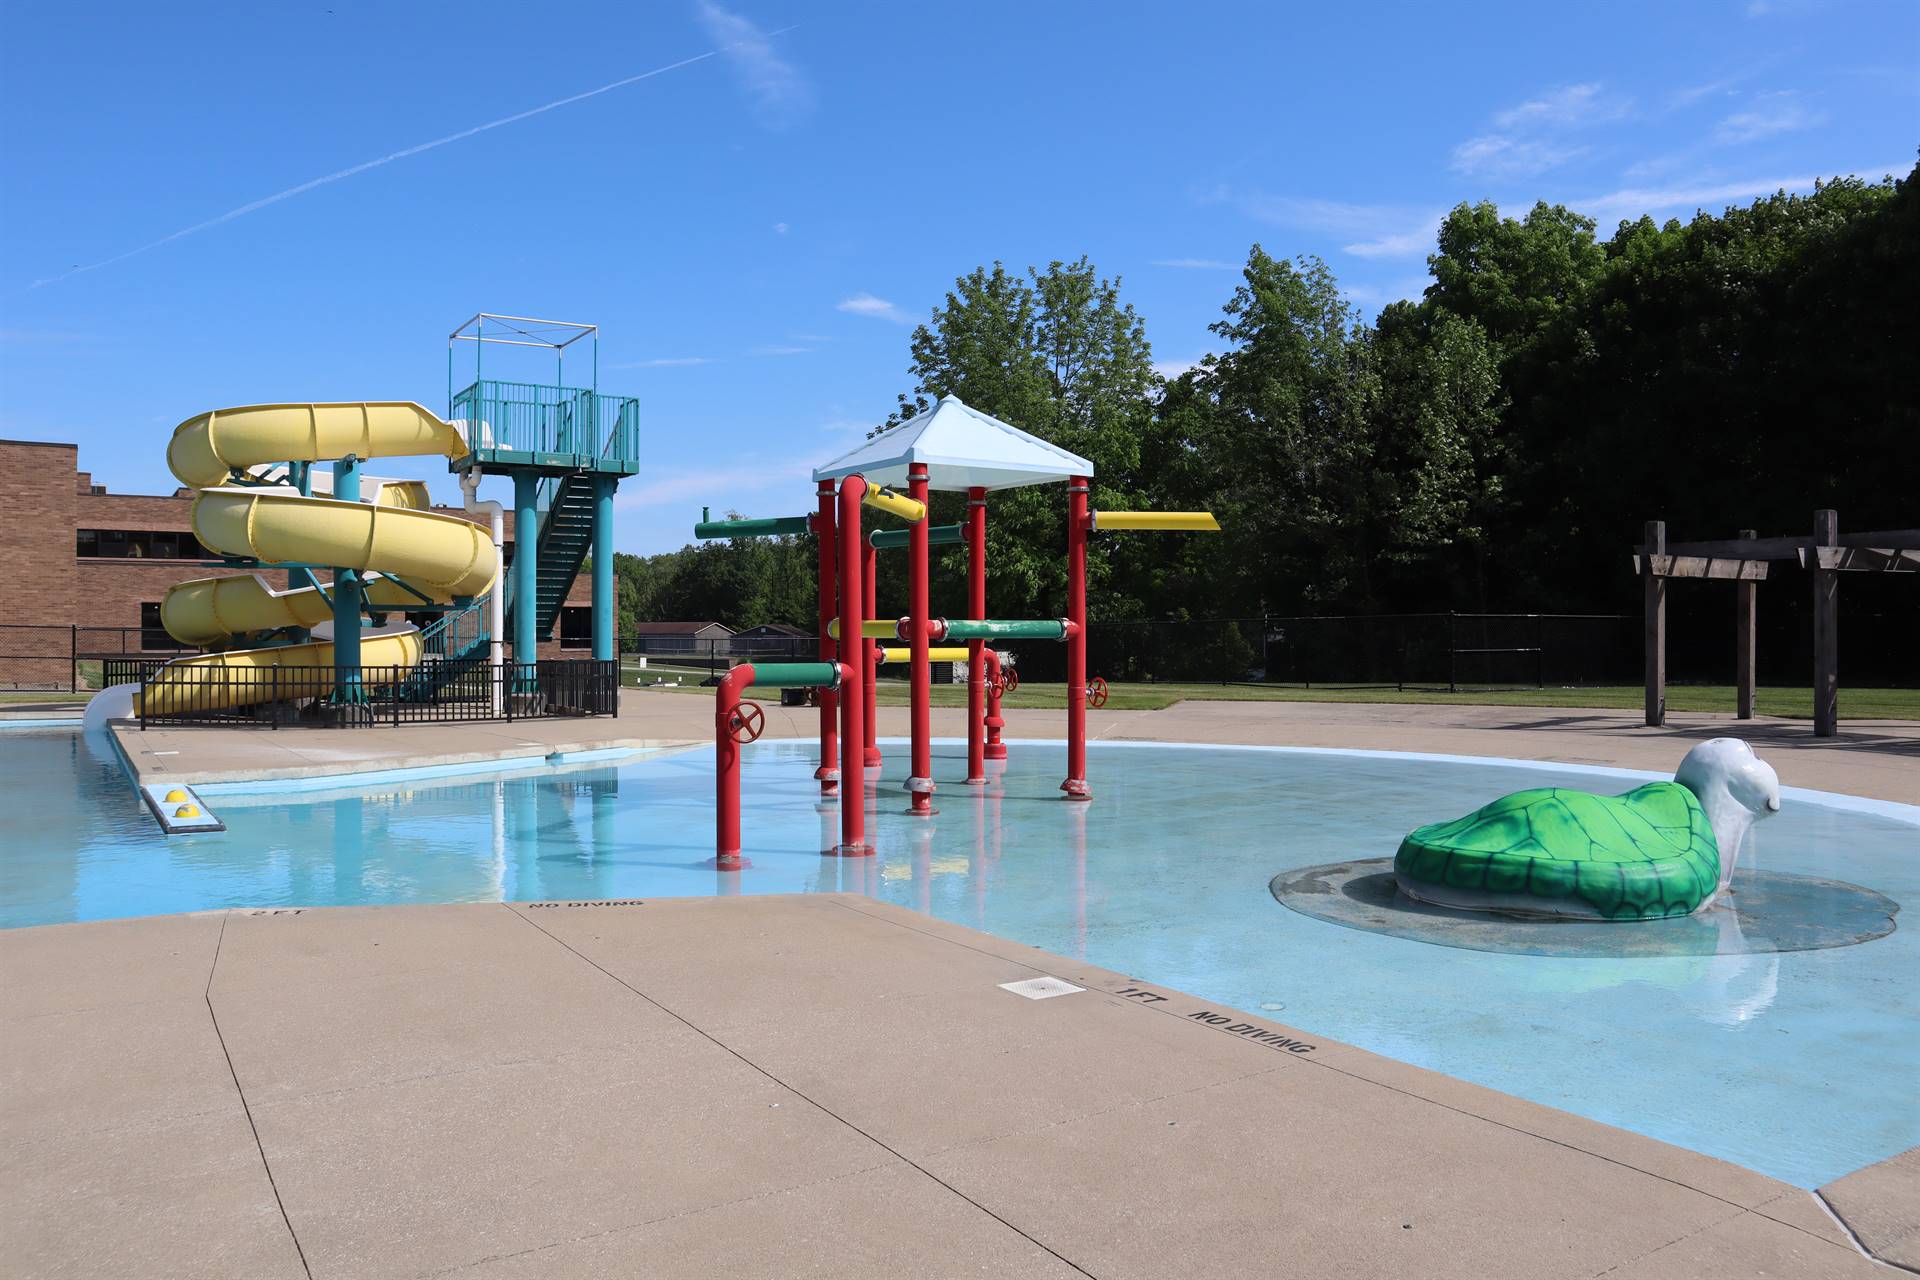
[{"x": 962, "y": 448}]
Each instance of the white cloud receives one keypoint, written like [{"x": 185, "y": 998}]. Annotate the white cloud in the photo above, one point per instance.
[
  {"x": 1528, "y": 138},
  {"x": 663, "y": 362},
  {"x": 1367, "y": 230},
  {"x": 779, "y": 228},
  {"x": 865, "y": 304},
  {"x": 1404, "y": 244},
  {"x": 780, "y": 93},
  {"x": 782, "y": 351},
  {"x": 1632, "y": 202},
  {"x": 1771, "y": 114},
  {"x": 1171, "y": 369},
  {"x": 1194, "y": 264},
  {"x": 1503, "y": 156},
  {"x": 1575, "y": 105}
]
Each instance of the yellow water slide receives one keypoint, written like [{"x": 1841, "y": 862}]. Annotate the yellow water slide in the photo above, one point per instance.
[{"x": 406, "y": 551}]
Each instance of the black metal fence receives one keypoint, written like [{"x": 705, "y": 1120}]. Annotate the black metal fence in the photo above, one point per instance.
[
  {"x": 1438, "y": 650},
  {"x": 710, "y": 655},
  {"x": 469, "y": 689},
  {"x": 71, "y": 658}
]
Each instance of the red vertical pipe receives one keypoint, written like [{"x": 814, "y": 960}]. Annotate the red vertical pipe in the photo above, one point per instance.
[
  {"x": 853, "y": 796},
  {"x": 995, "y": 749},
  {"x": 824, "y": 533},
  {"x": 726, "y": 768},
  {"x": 870, "y": 575},
  {"x": 1076, "y": 784},
  {"x": 919, "y": 670},
  {"x": 976, "y": 660}
]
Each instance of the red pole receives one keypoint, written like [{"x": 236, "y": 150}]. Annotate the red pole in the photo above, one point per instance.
[
  {"x": 853, "y": 796},
  {"x": 977, "y": 610},
  {"x": 1076, "y": 784},
  {"x": 919, "y": 670},
  {"x": 870, "y": 575},
  {"x": 995, "y": 749},
  {"x": 823, "y": 531},
  {"x": 726, "y": 768}
]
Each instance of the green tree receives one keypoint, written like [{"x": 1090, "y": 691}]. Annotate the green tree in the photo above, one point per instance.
[{"x": 1056, "y": 353}]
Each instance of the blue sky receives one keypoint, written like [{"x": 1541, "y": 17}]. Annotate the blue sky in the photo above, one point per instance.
[{"x": 756, "y": 226}]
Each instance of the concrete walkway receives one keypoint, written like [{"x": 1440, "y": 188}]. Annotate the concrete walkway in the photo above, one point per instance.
[
  {"x": 787, "y": 1086},
  {"x": 1880, "y": 759}
]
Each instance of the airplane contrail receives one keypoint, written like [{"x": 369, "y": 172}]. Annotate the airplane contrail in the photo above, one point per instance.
[{"x": 303, "y": 188}]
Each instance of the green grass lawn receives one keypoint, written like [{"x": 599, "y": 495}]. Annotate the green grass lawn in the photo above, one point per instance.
[{"x": 1855, "y": 704}]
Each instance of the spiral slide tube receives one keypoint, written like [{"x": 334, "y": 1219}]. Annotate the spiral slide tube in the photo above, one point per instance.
[{"x": 410, "y": 556}]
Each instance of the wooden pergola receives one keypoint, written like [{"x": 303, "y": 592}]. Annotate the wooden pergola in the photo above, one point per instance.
[{"x": 1745, "y": 561}]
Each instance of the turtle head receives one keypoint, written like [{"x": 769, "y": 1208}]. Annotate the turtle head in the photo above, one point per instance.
[
  {"x": 1728, "y": 766},
  {"x": 1736, "y": 788}
]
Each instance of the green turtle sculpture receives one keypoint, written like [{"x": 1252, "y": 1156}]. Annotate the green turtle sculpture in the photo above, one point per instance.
[{"x": 1665, "y": 849}]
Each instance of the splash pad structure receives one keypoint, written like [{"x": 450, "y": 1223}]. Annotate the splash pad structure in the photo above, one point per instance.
[{"x": 949, "y": 448}]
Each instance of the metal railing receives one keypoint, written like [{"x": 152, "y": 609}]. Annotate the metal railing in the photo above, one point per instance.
[
  {"x": 456, "y": 634},
  {"x": 467, "y": 689},
  {"x": 525, "y": 417}
]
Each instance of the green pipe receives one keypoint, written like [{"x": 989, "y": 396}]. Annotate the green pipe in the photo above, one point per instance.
[
  {"x": 1003, "y": 629},
  {"x": 796, "y": 675},
  {"x": 936, "y": 535},
  {"x": 769, "y": 527}
]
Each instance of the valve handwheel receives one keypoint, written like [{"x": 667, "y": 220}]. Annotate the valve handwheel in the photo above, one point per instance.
[
  {"x": 747, "y": 723},
  {"x": 1096, "y": 692},
  {"x": 1012, "y": 680}
]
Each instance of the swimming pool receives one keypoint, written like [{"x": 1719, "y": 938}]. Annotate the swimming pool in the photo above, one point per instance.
[{"x": 1798, "y": 1064}]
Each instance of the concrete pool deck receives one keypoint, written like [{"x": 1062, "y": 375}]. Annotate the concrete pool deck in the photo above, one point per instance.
[
  {"x": 786, "y": 1086},
  {"x": 1879, "y": 759}
]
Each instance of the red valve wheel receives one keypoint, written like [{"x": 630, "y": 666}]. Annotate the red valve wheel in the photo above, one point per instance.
[
  {"x": 1096, "y": 692},
  {"x": 748, "y": 722},
  {"x": 1012, "y": 680}
]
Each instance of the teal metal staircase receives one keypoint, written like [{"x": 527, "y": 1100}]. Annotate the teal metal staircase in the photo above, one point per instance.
[
  {"x": 561, "y": 543},
  {"x": 449, "y": 638}
]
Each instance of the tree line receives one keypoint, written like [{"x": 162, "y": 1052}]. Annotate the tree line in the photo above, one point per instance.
[{"x": 1493, "y": 446}]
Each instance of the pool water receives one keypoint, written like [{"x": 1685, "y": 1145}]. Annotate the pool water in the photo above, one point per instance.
[{"x": 1798, "y": 1064}]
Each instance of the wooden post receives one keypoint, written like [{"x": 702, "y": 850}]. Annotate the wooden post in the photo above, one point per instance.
[
  {"x": 1656, "y": 605},
  {"x": 1745, "y": 596},
  {"x": 1826, "y": 630}
]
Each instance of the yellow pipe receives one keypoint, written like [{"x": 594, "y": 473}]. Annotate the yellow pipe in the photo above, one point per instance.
[
  {"x": 871, "y": 629},
  {"x": 1197, "y": 520},
  {"x": 909, "y": 509},
  {"x": 955, "y": 653}
]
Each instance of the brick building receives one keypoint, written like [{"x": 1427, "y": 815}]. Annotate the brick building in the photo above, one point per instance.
[{"x": 82, "y": 571}]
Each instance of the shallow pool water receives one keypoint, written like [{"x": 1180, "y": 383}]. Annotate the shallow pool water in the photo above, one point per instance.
[{"x": 1798, "y": 1064}]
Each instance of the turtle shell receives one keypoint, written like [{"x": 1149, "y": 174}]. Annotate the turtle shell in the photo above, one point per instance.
[{"x": 1645, "y": 854}]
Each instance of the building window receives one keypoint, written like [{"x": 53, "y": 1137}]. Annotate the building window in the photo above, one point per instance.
[
  {"x": 152, "y": 634},
  {"x": 576, "y": 627},
  {"x": 136, "y": 544}
]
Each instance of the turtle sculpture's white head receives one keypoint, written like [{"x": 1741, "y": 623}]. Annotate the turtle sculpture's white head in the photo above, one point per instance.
[{"x": 1736, "y": 788}]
